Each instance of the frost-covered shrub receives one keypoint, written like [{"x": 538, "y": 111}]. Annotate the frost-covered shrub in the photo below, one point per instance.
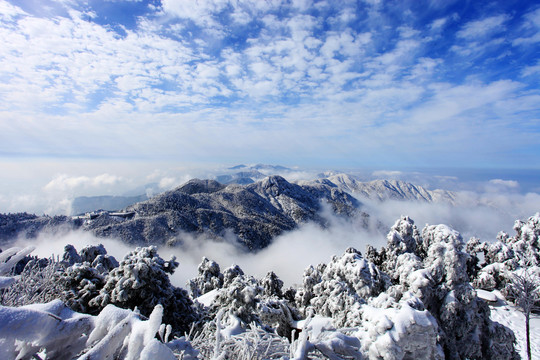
[
  {"x": 35, "y": 284},
  {"x": 311, "y": 277},
  {"x": 521, "y": 250},
  {"x": 492, "y": 277},
  {"x": 434, "y": 268},
  {"x": 404, "y": 265},
  {"x": 84, "y": 276},
  {"x": 81, "y": 283},
  {"x": 278, "y": 314},
  {"x": 496, "y": 252},
  {"x": 142, "y": 281},
  {"x": 225, "y": 340},
  {"x": 338, "y": 289},
  {"x": 502, "y": 258},
  {"x": 208, "y": 279},
  {"x": 274, "y": 308},
  {"x": 71, "y": 256},
  {"x": 318, "y": 339},
  {"x": 445, "y": 259},
  {"x": 404, "y": 237},
  {"x": 91, "y": 252},
  {"x": 97, "y": 256}
]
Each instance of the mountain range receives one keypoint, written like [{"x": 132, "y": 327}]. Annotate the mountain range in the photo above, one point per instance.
[{"x": 253, "y": 213}]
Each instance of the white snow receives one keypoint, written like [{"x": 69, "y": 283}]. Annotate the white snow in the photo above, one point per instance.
[
  {"x": 487, "y": 296},
  {"x": 316, "y": 325},
  {"x": 208, "y": 298},
  {"x": 509, "y": 316},
  {"x": 60, "y": 333},
  {"x": 6, "y": 281}
]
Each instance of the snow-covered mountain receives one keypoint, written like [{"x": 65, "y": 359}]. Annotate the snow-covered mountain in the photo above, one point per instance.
[
  {"x": 255, "y": 213},
  {"x": 386, "y": 189}
]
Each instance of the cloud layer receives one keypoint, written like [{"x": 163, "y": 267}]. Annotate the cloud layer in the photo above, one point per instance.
[{"x": 358, "y": 83}]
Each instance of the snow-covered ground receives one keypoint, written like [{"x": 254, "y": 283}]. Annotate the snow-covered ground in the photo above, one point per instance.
[{"x": 508, "y": 315}]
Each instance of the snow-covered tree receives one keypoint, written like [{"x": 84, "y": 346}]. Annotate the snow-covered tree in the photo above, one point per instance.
[
  {"x": 272, "y": 285},
  {"x": 403, "y": 238},
  {"x": 443, "y": 286},
  {"x": 338, "y": 289},
  {"x": 208, "y": 279},
  {"x": 507, "y": 255},
  {"x": 84, "y": 276},
  {"x": 405, "y": 330},
  {"x": 230, "y": 273},
  {"x": 239, "y": 299},
  {"x": 142, "y": 281}
]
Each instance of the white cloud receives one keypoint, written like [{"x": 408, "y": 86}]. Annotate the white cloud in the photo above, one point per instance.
[
  {"x": 386, "y": 174},
  {"x": 8, "y": 11},
  {"x": 199, "y": 11},
  {"x": 438, "y": 24},
  {"x": 480, "y": 28},
  {"x": 531, "y": 70},
  {"x": 530, "y": 29},
  {"x": 66, "y": 183},
  {"x": 450, "y": 101},
  {"x": 512, "y": 184},
  {"x": 167, "y": 183},
  {"x": 74, "y": 87}
]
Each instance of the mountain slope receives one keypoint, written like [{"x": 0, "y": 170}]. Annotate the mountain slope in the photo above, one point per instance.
[{"x": 255, "y": 213}]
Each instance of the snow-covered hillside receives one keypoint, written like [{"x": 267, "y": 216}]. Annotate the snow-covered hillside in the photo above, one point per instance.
[{"x": 508, "y": 315}]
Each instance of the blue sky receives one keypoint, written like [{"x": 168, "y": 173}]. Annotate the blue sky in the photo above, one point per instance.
[{"x": 379, "y": 84}]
